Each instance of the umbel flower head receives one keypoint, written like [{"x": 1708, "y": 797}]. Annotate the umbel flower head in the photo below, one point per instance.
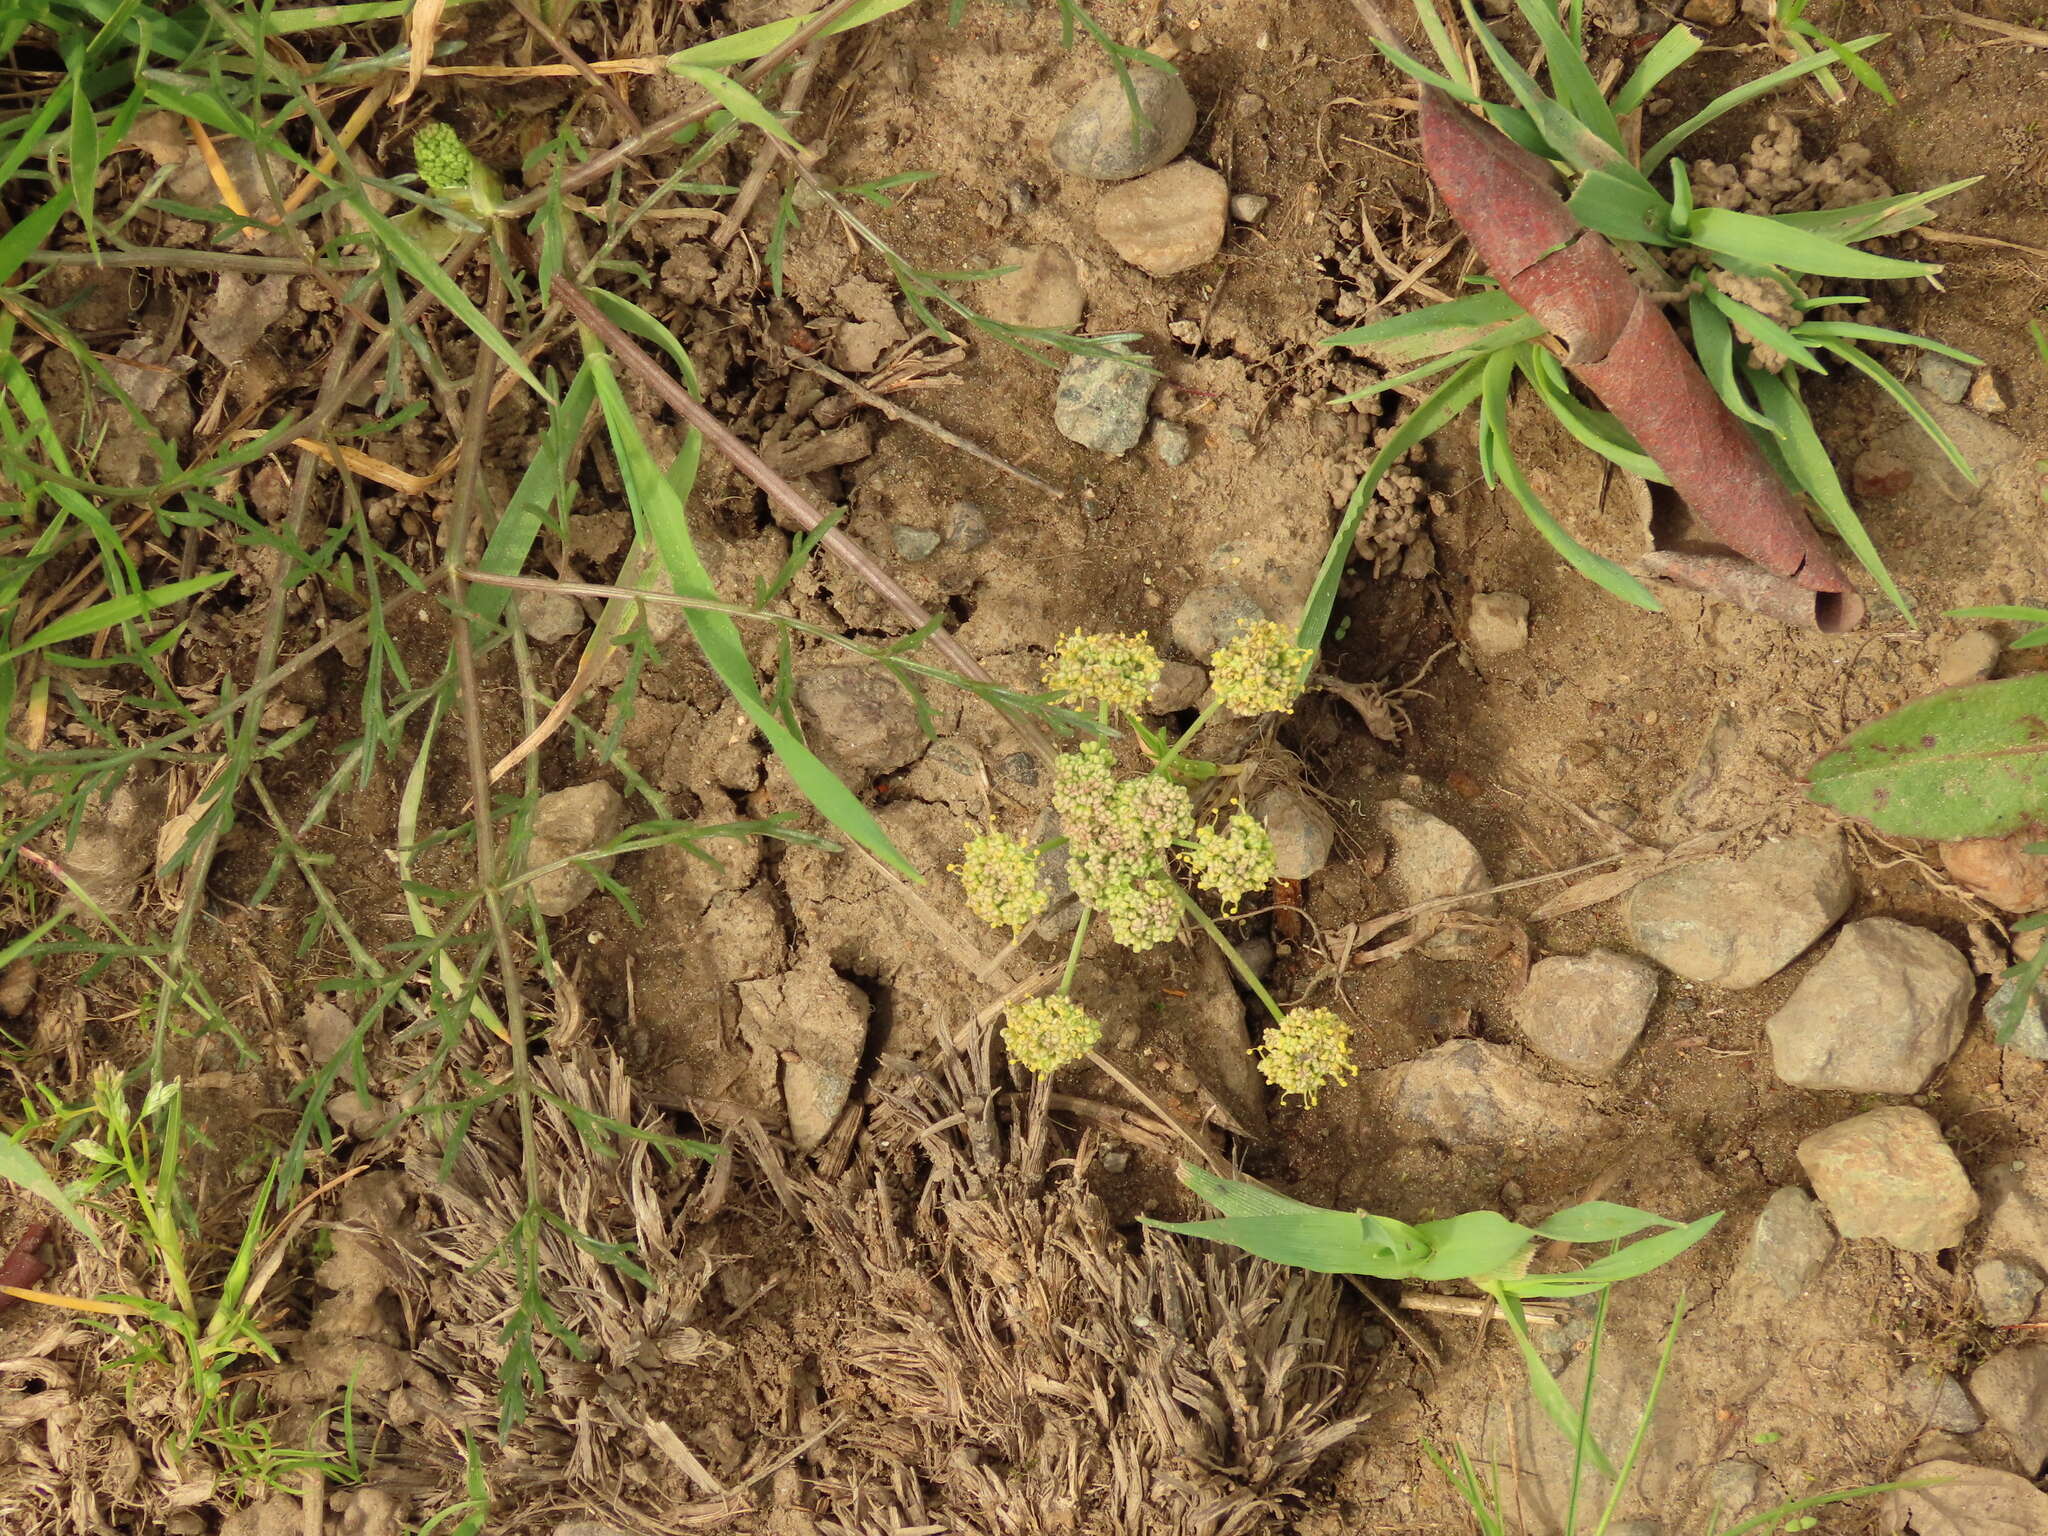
[
  {"x": 1233, "y": 862},
  {"x": 1000, "y": 874},
  {"x": 1259, "y": 671},
  {"x": 1307, "y": 1050},
  {"x": 444, "y": 160},
  {"x": 1048, "y": 1033},
  {"x": 1117, "y": 670}
]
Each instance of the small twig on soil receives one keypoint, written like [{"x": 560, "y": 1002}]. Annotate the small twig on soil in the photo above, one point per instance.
[
  {"x": 171, "y": 258},
  {"x": 1956, "y": 237},
  {"x": 1380, "y": 925},
  {"x": 793, "y": 93},
  {"x": 904, "y": 413},
  {"x": 2033, "y": 37},
  {"x": 780, "y": 491},
  {"x": 575, "y": 61},
  {"x": 1549, "y": 1314}
]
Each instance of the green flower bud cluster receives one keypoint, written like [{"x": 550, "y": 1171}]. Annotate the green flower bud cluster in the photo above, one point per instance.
[
  {"x": 1048, "y": 1033},
  {"x": 1307, "y": 1050},
  {"x": 444, "y": 160},
  {"x": 1233, "y": 862},
  {"x": 1259, "y": 671},
  {"x": 1000, "y": 874},
  {"x": 1119, "y": 671},
  {"x": 1118, "y": 835}
]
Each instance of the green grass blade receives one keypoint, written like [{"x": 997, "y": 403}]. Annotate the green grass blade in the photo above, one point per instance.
[
  {"x": 1621, "y": 208},
  {"x": 1728, "y": 101},
  {"x": 1448, "y": 399},
  {"x": 1447, "y": 52},
  {"x": 742, "y": 103},
  {"x": 1754, "y": 238},
  {"x": 661, "y": 512},
  {"x": 1670, "y": 51},
  {"x": 30, "y": 231},
  {"x": 1761, "y": 327},
  {"x": 1859, "y": 332},
  {"x": 1814, "y": 472},
  {"x": 1879, "y": 216},
  {"x": 519, "y": 524},
  {"x": 112, "y": 611},
  {"x": 1493, "y": 411},
  {"x": 741, "y": 47},
  {"x": 1569, "y": 139},
  {"x": 1883, "y": 377},
  {"x": 1432, "y": 331},
  {"x": 1415, "y": 69},
  {"x": 1860, "y": 68},
  {"x": 1714, "y": 340},
  {"x": 433, "y": 277},
  {"x": 1681, "y": 197},
  {"x": 1598, "y": 430},
  {"x": 1543, "y": 1386}
]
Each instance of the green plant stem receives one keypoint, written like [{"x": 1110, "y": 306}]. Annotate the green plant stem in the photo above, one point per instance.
[
  {"x": 1074, "y": 951},
  {"x": 1188, "y": 735},
  {"x": 1230, "y": 953}
]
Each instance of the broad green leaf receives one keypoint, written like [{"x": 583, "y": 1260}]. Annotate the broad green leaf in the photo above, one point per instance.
[
  {"x": 1879, "y": 216},
  {"x": 666, "y": 524},
  {"x": 1621, "y": 208},
  {"x": 1599, "y": 1221},
  {"x": 1681, "y": 197},
  {"x": 1327, "y": 1242},
  {"x": 1669, "y": 52},
  {"x": 742, "y": 103},
  {"x": 1801, "y": 451},
  {"x": 1857, "y": 67},
  {"x": 1235, "y": 1197},
  {"x": 1449, "y": 398},
  {"x": 1887, "y": 381},
  {"x": 740, "y": 47},
  {"x": 1582, "y": 147},
  {"x": 1432, "y": 331},
  {"x": 1576, "y": 88},
  {"x": 1714, "y": 340},
  {"x": 1637, "y": 1258},
  {"x": 1477, "y": 1243},
  {"x": 2008, "y": 613},
  {"x": 1496, "y": 450},
  {"x": 1965, "y": 762},
  {"x": 1756, "y": 238},
  {"x": 23, "y": 1169},
  {"x": 1729, "y": 100}
]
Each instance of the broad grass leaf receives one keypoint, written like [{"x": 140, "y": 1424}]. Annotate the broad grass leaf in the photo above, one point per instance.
[
  {"x": 1729, "y": 100},
  {"x": 1235, "y": 1197},
  {"x": 1327, "y": 1242},
  {"x": 742, "y": 47},
  {"x": 21, "y": 1168},
  {"x": 1965, "y": 762},
  {"x": 1477, "y": 1243},
  {"x": 1755, "y": 238},
  {"x": 1599, "y": 1221},
  {"x": 1623, "y": 1264},
  {"x": 1433, "y": 331}
]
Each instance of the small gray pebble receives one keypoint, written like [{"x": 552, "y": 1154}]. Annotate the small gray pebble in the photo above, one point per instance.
[
  {"x": 1099, "y": 139},
  {"x": 1021, "y": 198},
  {"x": 1249, "y": 207},
  {"x": 914, "y": 543},
  {"x": 1021, "y": 768},
  {"x": 968, "y": 528},
  {"x": 1171, "y": 441},
  {"x": 2007, "y": 1290},
  {"x": 1733, "y": 1486},
  {"x": 1101, "y": 402},
  {"x": 1209, "y": 616},
  {"x": 1945, "y": 378},
  {"x": 1940, "y": 1402},
  {"x": 1115, "y": 1159}
]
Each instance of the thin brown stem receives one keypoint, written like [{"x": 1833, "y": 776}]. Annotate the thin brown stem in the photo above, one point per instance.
[{"x": 782, "y": 493}]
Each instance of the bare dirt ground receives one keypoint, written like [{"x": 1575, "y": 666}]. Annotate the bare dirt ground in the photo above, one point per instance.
[{"x": 926, "y": 1306}]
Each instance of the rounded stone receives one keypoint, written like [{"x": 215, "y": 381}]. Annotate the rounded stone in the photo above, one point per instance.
[
  {"x": 1889, "y": 1174},
  {"x": 1302, "y": 832},
  {"x": 1209, "y": 617},
  {"x": 1880, "y": 1012},
  {"x": 1738, "y": 922},
  {"x": 1585, "y": 1012},
  {"x": 1103, "y": 402},
  {"x": 1100, "y": 139},
  {"x": 1170, "y": 221}
]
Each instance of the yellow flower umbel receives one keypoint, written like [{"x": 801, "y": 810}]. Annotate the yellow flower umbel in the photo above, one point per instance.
[
  {"x": 1119, "y": 671},
  {"x": 1048, "y": 1033},
  {"x": 1233, "y": 862},
  {"x": 1306, "y": 1050},
  {"x": 1258, "y": 672},
  {"x": 1000, "y": 874}
]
